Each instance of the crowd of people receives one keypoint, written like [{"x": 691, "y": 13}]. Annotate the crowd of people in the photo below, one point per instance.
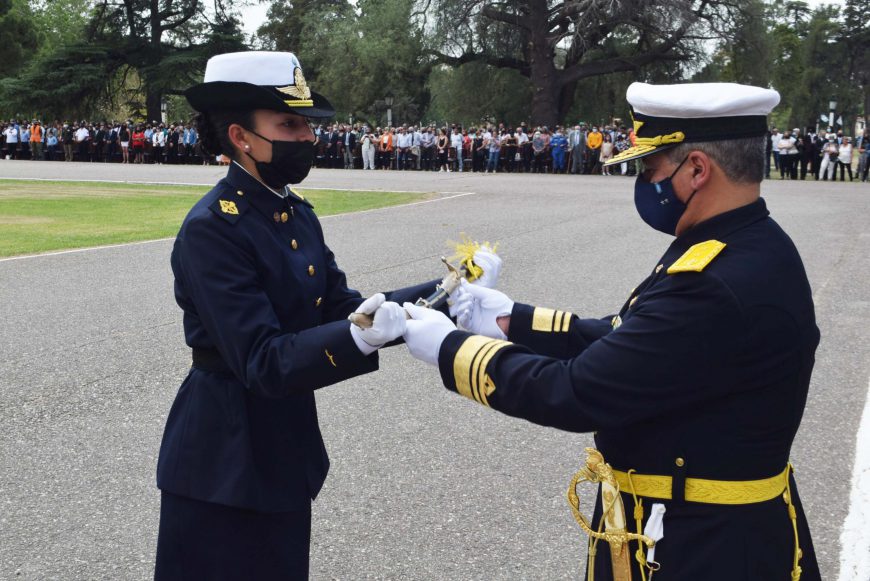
[
  {"x": 122, "y": 142},
  {"x": 581, "y": 149},
  {"x": 797, "y": 154}
]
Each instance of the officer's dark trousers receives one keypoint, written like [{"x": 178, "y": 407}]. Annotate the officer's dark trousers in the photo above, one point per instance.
[{"x": 201, "y": 540}]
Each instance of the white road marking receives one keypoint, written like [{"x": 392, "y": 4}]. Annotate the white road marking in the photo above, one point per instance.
[
  {"x": 211, "y": 185},
  {"x": 855, "y": 536},
  {"x": 90, "y": 248}
]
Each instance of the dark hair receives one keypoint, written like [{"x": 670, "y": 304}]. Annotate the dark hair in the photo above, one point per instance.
[
  {"x": 213, "y": 129},
  {"x": 742, "y": 160}
]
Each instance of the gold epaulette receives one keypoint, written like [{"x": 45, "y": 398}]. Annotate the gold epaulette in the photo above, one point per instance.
[
  {"x": 697, "y": 257},
  {"x": 469, "y": 367}
]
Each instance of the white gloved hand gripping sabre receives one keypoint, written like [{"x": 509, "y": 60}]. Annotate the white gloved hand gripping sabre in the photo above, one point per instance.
[{"x": 388, "y": 324}]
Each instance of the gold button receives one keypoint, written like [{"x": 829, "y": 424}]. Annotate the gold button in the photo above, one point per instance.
[
  {"x": 284, "y": 216},
  {"x": 318, "y": 301},
  {"x": 659, "y": 268},
  {"x": 631, "y": 302},
  {"x": 240, "y": 192},
  {"x": 680, "y": 462},
  {"x": 276, "y": 216},
  {"x": 294, "y": 245},
  {"x": 310, "y": 270}
]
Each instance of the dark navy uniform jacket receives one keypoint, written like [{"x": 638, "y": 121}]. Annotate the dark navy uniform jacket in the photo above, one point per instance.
[
  {"x": 263, "y": 296},
  {"x": 709, "y": 363}
]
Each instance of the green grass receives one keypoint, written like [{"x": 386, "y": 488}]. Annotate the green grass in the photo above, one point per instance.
[{"x": 40, "y": 216}]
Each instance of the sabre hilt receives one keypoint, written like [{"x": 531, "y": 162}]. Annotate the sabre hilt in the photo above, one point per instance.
[{"x": 437, "y": 299}]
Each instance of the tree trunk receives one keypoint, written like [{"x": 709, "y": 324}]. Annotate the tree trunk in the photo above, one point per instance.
[
  {"x": 153, "y": 97},
  {"x": 566, "y": 99},
  {"x": 152, "y": 103},
  {"x": 543, "y": 73}
]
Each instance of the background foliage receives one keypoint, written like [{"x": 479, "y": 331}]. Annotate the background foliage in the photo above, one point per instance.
[{"x": 465, "y": 61}]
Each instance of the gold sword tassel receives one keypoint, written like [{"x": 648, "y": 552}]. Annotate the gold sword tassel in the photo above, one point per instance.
[{"x": 616, "y": 534}]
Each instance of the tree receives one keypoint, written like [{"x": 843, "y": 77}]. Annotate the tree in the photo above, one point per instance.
[
  {"x": 163, "y": 45},
  {"x": 856, "y": 38},
  {"x": 557, "y": 44},
  {"x": 358, "y": 56},
  {"x": 18, "y": 36},
  {"x": 476, "y": 92}
]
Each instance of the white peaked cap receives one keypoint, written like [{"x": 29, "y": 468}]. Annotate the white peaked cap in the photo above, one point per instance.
[
  {"x": 665, "y": 116},
  {"x": 701, "y": 100},
  {"x": 263, "y": 68}
]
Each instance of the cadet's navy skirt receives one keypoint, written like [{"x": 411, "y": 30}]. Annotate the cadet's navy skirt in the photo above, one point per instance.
[{"x": 202, "y": 540}]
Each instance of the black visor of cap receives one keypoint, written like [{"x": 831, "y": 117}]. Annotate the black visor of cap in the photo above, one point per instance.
[
  {"x": 246, "y": 96},
  {"x": 702, "y": 128}
]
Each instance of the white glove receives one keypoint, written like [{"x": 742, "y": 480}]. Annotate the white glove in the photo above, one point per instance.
[
  {"x": 425, "y": 332},
  {"x": 479, "y": 314},
  {"x": 389, "y": 324},
  {"x": 491, "y": 263}
]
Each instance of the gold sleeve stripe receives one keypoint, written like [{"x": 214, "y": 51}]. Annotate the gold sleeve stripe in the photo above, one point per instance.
[
  {"x": 462, "y": 363},
  {"x": 469, "y": 367},
  {"x": 557, "y": 320},
  {"x": 542, "y": 319},
  {"x": 480, "y": 376},
  {"x": 550, "y": 321}
]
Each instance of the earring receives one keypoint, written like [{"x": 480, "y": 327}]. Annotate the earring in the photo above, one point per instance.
[{"x": 247, "y": 147}]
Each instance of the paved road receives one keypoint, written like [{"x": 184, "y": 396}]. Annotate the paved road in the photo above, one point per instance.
[{"x": 424, "y": 484}]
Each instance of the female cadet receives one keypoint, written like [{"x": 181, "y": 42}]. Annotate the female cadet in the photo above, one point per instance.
[{"x": 265, "y": 313}]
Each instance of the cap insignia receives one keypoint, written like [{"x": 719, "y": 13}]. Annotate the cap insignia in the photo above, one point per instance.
[
  {"x": 299, "y": 89},
  {"x": 229, "y": 208}
]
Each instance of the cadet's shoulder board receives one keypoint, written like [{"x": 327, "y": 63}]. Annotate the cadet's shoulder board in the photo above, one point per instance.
[
  {"x": 229, "y": 208},
  {"x": 469, "y": 367},
  {"x": 551, "y": 321},
  {"x": 697, "y": 257},
  {"x": 297, "y": 197}
]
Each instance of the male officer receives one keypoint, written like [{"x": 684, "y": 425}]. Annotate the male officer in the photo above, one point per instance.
[
  {"x": 265, "y": 314},
  {"x": 695, "y": 389}
]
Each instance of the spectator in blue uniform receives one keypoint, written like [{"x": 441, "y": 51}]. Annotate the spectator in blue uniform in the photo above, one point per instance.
[
  {"x": 696, "y": 387},
  {"x": 265, "y": 313},
  {"x": 559, "y": 145}
]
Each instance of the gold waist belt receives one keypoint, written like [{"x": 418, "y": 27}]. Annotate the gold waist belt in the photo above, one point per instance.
[{"x": 705, "y": 491}]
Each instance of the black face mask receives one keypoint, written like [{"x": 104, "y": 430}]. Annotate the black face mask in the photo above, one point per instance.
[{"x": 291, "y": 162}]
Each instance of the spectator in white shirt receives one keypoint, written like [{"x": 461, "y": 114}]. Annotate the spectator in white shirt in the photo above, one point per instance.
[
  {"x": 403, "y": 147},
  {"x": 82, "y": 137},
  {"x": 456, "y": 146},
  {"x": 12, "y": 139},
  {"x": 158, "y": 142},
  {"x": 788, "y": 155},
  {"x": 416, "y": 142},
  {"x": 844, "y": 160},
  {"x": 775, "y": 137}
]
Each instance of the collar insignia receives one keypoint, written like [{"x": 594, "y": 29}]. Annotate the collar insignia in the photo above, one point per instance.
[
  {"x": 229, "y": 208},
  {"x": 299, "y": 89}
]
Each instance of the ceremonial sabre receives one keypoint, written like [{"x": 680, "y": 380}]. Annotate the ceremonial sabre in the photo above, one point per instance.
[
  {"x": 464, "y": 253},
  {"x": 616, "y": 534},
  {"x": 442, "y": 291}
]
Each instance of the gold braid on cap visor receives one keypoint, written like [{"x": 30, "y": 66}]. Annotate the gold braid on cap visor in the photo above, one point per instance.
[
  {"x": 675, "y": 137},
  {"x": 646, "y": 145}
]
